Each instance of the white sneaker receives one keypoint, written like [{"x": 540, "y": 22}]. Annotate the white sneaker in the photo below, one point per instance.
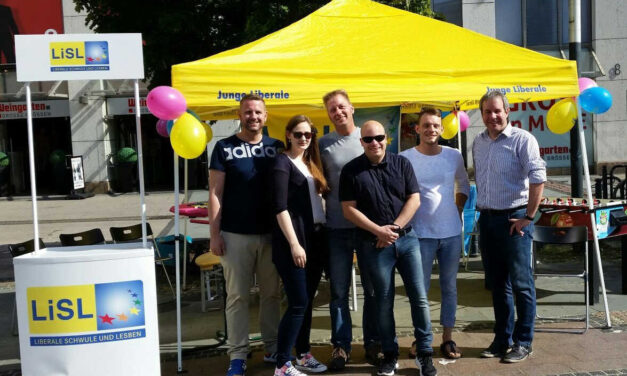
[
  {"x": 309, "y": 364},
  {"x": 288, "y": 370}
]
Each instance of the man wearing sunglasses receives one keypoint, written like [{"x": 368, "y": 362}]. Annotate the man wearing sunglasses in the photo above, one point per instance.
[
  {"x": 336, "y": 149},
  {"x": 379, "y": 194}
]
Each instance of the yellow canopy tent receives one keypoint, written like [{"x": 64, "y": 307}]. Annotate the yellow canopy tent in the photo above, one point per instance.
[{"x": 381, "y": 55}]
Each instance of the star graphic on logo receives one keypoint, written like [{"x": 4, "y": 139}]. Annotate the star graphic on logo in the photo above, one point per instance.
[
  {"x": 134, "y": 295},
  {"x": 134, "y": 311},
  {"x": 107, "y": 319},
  {"x": 122, "y": 317},
  {"x": 137, "y": 302}
]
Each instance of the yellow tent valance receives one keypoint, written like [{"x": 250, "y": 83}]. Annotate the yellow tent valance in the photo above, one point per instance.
[{"x": 381, "y": 55}]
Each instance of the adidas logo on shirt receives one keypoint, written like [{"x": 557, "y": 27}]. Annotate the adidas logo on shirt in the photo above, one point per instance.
[{"x": 246, "y": 151}]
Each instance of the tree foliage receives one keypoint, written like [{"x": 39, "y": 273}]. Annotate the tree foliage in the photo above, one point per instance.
[{"x": 176, "y": 31}]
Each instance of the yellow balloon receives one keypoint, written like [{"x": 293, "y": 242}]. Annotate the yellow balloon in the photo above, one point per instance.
[
  {"x": 562, "y": 116},
  {"x": 208, "y": 131},
  {"x": 188, "y": 137},
  {"x": 450, "y": 126}
]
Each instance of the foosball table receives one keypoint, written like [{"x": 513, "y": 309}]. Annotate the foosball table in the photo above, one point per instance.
[{"x": 610, "y": 221}]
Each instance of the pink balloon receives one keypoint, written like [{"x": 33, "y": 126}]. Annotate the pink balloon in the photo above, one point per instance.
[
  {"x": 166, "y": 102},
  {"x": 162, "y": 128},
  {"x": 585, "y": 83},
  {"x": 464, "y": 120}
]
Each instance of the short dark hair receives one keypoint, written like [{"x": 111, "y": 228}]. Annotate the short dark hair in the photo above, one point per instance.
[
  {"x": 327, "y": 97},
  {"x": 494, "y": 94},
  {"x": 428, "y": 111},
  {"x": 251, "y": 97}
]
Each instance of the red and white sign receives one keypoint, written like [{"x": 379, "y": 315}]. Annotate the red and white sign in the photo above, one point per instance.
[
  {"x": 125, "y": 106},
  {"x": 554, "y": 148},
  {"x": 41, "y": 109}
]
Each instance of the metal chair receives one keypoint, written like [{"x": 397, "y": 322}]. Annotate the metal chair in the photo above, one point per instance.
[
  {"x": 89, "y": 237},
  {"x": 133, "y": 233},
  {"x": 563, "y": 236},
  {"x": 19, "y": 250}
]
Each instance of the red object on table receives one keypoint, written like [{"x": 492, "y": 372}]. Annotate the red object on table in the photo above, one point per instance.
[{"x": 193, "y": 210}]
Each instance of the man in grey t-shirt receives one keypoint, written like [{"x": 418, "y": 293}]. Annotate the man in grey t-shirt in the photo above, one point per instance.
[{"x": 337, "y": 149}]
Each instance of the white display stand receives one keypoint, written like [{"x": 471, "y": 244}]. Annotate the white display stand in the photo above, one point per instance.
[{"x": 88, "y": 310}]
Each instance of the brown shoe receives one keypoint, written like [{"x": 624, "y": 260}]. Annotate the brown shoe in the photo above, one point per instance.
[{"x": 339, "y": 358}]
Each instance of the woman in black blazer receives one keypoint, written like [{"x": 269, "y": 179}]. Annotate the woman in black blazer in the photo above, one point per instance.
[{"x": 298, "y": 242}]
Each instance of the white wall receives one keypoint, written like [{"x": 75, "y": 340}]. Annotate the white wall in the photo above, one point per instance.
[
  {"x": 89, "y": 131},
  {"x": 609, "y": 38}
]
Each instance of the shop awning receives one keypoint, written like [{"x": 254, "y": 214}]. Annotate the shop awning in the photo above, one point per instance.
[{"x": 381, "y": 55}]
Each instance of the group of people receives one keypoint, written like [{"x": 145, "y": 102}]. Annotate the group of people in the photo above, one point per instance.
[{"x": 295, "y": 210}]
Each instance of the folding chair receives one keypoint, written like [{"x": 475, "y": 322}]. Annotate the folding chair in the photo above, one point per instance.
[
  {"x": 19, "y": 250},
  {"x": 89, "y": 237},
  {"x": 133, "y": 233},
  {"x": 563, "y": 236}
]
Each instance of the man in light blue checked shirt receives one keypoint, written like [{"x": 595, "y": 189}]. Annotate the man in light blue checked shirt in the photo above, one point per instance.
[{"x": 510, "y": 176}]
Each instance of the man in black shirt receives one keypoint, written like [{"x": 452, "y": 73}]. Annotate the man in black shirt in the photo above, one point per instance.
[{"x": 379, "y": 194}]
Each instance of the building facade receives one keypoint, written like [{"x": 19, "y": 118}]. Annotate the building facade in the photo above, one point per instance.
[{"x": 96, "y": 120}]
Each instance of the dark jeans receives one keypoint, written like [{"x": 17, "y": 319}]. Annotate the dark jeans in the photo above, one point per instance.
[
  {"x": 404, "y": 255},
  {"x": 300, "y": 285},
  {"x": 508, "y": 272},
  {"x": 342, "y": 244}
]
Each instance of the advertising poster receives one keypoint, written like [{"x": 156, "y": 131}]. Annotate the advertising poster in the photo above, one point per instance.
[
  {"x": 26, "y": 17},
  {"x": 554, "y": 148}
]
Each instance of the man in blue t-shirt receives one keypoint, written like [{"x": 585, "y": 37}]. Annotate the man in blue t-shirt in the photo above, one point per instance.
[{"x": 240, "y": 216}]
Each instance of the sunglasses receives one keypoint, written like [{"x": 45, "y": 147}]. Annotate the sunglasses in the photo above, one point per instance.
[
  {"x": 298, "y": 135},
  {"x": 369, "y": 139}
]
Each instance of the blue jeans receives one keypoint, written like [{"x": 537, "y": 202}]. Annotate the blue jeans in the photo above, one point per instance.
[
  {"x": 300, "y": 285},
  {"x": 508, "y": 272},
  {"x": 404, "y": 255},
  {"x": 342, "y": 244},
  {"x": 447, "y": 251}
]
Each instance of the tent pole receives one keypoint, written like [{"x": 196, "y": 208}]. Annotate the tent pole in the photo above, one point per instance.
[
  {"x": 31, "y": 165},
  {"x": 185, "y": 200},
  {"x": 595, "y": 238},
  {"x": 179, "y": 350},
  {"x": 140, "y": 162}
]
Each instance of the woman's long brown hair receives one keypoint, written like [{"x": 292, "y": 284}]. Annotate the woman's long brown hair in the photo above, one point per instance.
[{"x": 311, "y": 157}]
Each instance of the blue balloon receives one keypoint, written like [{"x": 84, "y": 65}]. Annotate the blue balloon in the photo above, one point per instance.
[
  {"x": 169, "y": 126},
  {"x": 596, "y": 100},
  {"x": 445, "y": 113}
]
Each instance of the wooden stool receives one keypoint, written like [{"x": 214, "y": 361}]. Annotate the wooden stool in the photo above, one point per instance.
[{"x": 210, "y": 268}]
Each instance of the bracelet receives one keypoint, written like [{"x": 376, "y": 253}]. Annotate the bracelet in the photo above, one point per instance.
[{"x": 528, "y": 217}]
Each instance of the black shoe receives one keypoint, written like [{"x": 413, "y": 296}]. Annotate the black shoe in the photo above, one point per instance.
[
  {"x": 425, "y": 364},
  {"x": 387, "y": 366},
  {"x": 518, "y": 354},
  {"x": 374, "y": 356},
  {"x": 339, "y": 358},
  {"x": 495, "y": 350}
]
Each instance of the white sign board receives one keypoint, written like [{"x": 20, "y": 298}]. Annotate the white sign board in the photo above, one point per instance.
[
  {"x": 126, "y": 106},
  {"x": 41, "y": 109},
  {"x": 554, "y": 148},
  {"x": 89, "y": 310},
  {"x": 56, "y": 57},
  {"x": 78, "y": 178}
]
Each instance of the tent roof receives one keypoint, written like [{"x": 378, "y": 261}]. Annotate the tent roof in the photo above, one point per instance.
[{"x": 381, "y": 55}]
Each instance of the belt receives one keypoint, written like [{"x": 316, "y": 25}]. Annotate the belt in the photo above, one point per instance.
[
  {"x": 402, "y": 231},
  {"x": 497, "y": 212}
]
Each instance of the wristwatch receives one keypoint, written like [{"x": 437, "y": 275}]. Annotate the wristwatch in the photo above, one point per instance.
[{"x": 528, "y": 217}]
